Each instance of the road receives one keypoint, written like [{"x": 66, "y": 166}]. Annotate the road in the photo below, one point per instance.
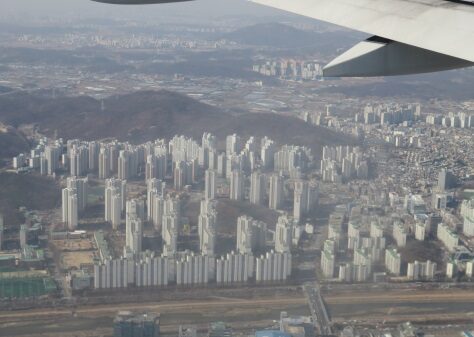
[
  {"x": 184, "y": 306},
  {"x": 450, "y": 296},
  {"x": 318, "y": 309},
  {"x": 435, "y": 307},
  {"x": 401, "y": 296}
]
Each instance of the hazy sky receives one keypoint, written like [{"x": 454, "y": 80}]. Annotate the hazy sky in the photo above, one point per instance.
[{"x": 87, "y": 8}]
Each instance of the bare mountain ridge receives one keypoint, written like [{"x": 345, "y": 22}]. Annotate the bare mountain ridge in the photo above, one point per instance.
[
  {"x": 30, "y": 191},
  {"x": 11, "y": 143},
  {"x": 279, "y": 35},
  {"x": 453, "y": 85},
  {"x": 148, "y": 115}
]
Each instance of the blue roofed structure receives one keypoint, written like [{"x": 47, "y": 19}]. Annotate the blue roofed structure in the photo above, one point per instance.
[{"x": 271, "y": 333}]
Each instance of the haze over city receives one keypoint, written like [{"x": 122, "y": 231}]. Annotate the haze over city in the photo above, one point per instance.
[
  {"x": 204, "y": 10},
  {"x": 188, "y": 170}
]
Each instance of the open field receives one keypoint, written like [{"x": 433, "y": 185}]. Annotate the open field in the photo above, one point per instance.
[{"x": 26, "y": 287}]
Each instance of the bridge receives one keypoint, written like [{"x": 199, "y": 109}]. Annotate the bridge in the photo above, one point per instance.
[{"x": 318, "y": 309}]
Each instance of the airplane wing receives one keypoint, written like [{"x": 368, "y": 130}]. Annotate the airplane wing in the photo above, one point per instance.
[{"x": 410, "y": 36}]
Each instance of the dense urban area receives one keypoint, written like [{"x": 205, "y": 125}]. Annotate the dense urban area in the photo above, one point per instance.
[{"x": 179, "y": 177}]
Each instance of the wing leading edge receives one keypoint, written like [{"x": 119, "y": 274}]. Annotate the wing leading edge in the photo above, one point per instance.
[{"x": 411, "y": 36}]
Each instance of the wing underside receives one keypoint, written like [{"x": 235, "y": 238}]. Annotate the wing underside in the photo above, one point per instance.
[{"x": 410, "y": 36}]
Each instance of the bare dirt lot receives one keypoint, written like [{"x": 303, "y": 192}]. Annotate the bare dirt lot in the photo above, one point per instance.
[
  {"x": 74, "y": 252},
  {"x": 73, "y": 260}
]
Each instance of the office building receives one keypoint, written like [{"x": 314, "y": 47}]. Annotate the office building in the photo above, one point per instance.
[
  {"x": 234, "y": 268},
  {"x": 300, "y": 202},
  {"x": 353, "y": 235},
  {"x": 305, "y": 198},
  {"x": 330, "y": 246},
  {"x": 80, "y": 185},
  {"x": 208, "y": 146},
  {"x": 439, "y": 201},
  {"x": 136, "y": 207},
  {"x": 133, "y": 233},
  {"x": 276, "y": 193},
  {"x": 2, "y": 230},
  {"x": 207, "y": 223},
  {"x": 421, "y": 270},
  {"x": 267, "y": 153},
  {"x": 142, "y": 270},
  {"x": 169, "y": 233},
  {"x": 283, "y": 234},
  {"x": 251, "y": 235},
  {"x": 149, "y": 271},
  {"x": 448, "y": 237},
  {"x": 470, "y": 269},
  {"x": 210, "y": 184},
  {"x": 350, "y": 272},
  {"x": 467, "y": 212},
  {"x": 362, "y": 257},
  {"x": 212, "y": 162},
  {"x": 415, "y": 204},
  {"x": 194, "y": 269},
  {"x": 155, "y": 189},
  {"x": 185, "y": 173},
  {"x": 237, "y": 185},
  {"x": 420, "y": 231},
  {"x": 23, "y": 236},
  {"x": 219, "y": 329},
  {"x": 157, "y": 204},
  {"x": 271, "y": 333},
  {"x": 446, "y": 180},
  {"x": 328, "y": 262},
  {"x": 335, "y": 234},
  {"x": 187, "y": 331},
  {"x": 156, "y": 166},
  {"x": 393, "y": 261},
  {"x": 222, "y": 165},
  {"x": 70, "y": 208},
  {"x": 273, "y": 267},
  {"x": 52, "y": 153},
  {"x": 115, "y": 201},
  {"x": 451, "y": 269},
  {"x": 19, "y": 161},
  {"x": 124, "y": 165},
  {"x": 127, "y": 324},
  {"x": 78, "y": 160},
  {"x": 376, "y": 230},
  {"x": 399, "y": 234},
  {"x": 258, "y": 186},
  {"x": 104, "y": 163},
  {"x": 172, "y": 205},
  {"x": 94, "y": 149},
  {"x": 233, "y": 145},
  {"x": 290, "y": 159}
]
